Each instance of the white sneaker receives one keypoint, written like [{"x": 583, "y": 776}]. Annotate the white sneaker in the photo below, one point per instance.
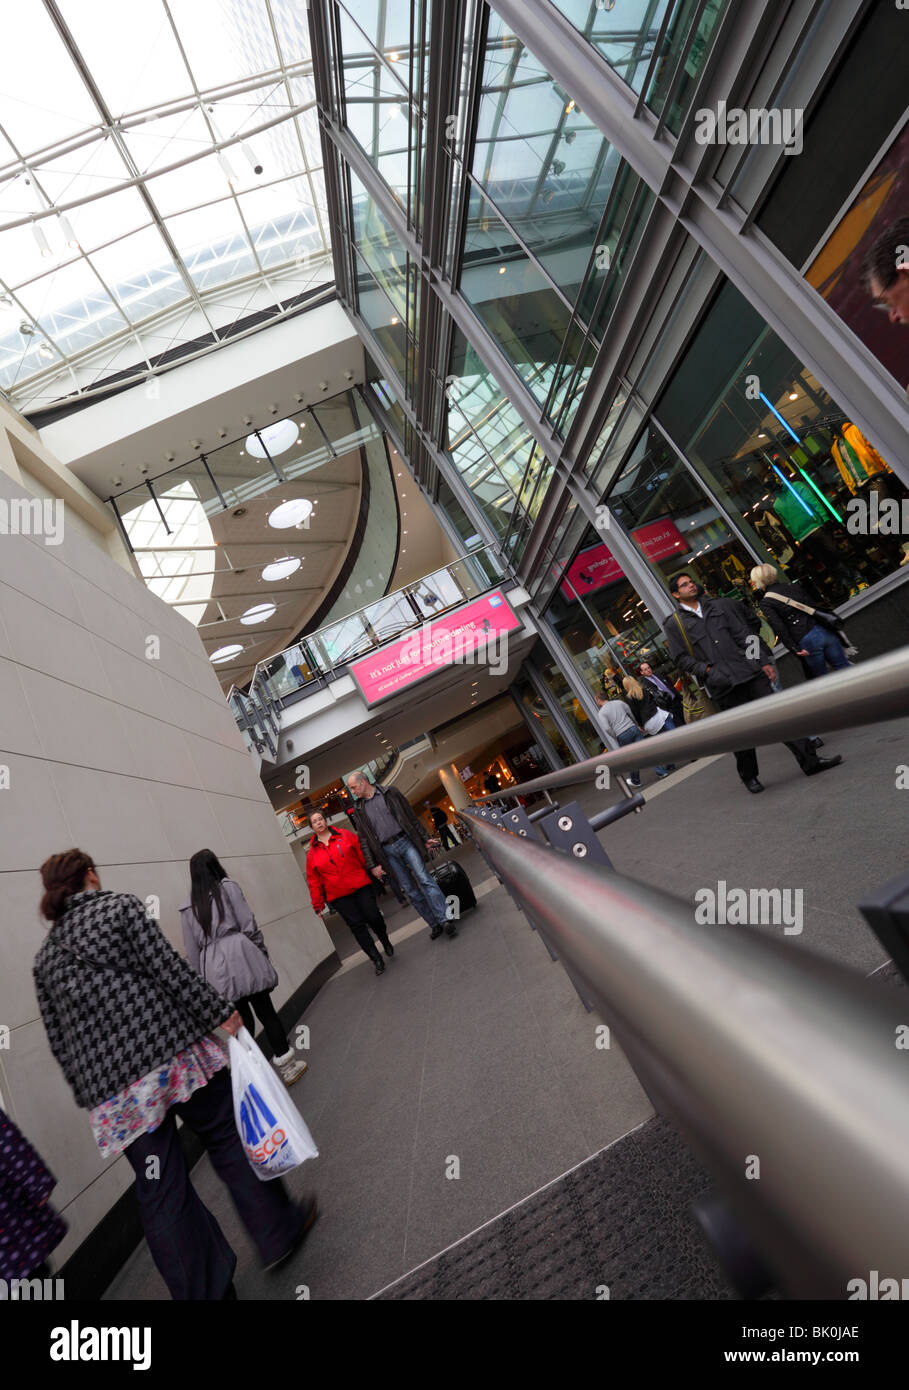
[{"x": 291, "y": 1067}]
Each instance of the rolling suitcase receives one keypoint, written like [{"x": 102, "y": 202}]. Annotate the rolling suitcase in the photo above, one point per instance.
[{"x": 454, "y": 883}]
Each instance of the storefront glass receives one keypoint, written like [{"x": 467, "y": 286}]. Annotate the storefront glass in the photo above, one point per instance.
[
  {"x": 573, "y": 710},
  {"x": 781, "y": 455}
]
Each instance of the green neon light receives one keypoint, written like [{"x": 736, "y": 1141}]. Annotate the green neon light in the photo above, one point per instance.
[{"x": 830, "y": 509}]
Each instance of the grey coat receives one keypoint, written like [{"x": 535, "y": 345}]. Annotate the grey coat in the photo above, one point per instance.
[{"x": 233, "y": 958}]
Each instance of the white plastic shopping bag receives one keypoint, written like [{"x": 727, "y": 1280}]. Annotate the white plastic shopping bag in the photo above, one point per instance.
[{"x": 271, "y": 1128}]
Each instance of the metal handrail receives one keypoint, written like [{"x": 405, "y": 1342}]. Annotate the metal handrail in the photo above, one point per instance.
[
  {"x": 754, "y": 1048},
  {"x": 872, "y": 693}
]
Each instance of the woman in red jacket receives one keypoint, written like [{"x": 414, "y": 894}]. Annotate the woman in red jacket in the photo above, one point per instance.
[{"x": 336, "y": 874}]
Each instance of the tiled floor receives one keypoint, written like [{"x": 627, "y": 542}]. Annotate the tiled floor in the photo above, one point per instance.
[{"x": 475, "y": 1056}]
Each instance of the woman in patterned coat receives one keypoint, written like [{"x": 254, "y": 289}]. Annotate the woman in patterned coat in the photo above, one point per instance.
[{"x": 132, "y": 1026}]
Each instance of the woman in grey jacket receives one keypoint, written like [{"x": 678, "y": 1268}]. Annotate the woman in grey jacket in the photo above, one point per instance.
[{"x": 224, "y": 944}]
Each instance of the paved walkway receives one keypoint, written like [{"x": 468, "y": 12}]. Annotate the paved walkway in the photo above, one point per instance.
[{"x": 478, "y": 1050}]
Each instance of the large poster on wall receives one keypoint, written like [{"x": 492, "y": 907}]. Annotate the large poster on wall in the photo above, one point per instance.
[
  {"x": 473, "y": 633},
  {"x": 837, "y": 271}
]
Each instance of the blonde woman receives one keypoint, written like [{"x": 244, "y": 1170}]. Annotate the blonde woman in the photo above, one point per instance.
[
  {"x": 648, "y": 714},
  {"x": 784, "y": 606}
]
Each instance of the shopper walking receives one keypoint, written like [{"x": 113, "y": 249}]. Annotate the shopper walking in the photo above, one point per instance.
[
  {"x": 337, "y": 877},
  {"x": 395, "y": 843},
  {"x": 29, "y": 1227},
  {"x": 649, "y": 715},
  {"x": 615, "y": 718},
  {"x": 665, "y": 694},
  {"x": 224, "y": 944},
  {"x": 717, "y": 641},
  {"x": 130, "y": 1023},
  {"x": 791, "y": 612},
  {"x": 440, "y": 821}
]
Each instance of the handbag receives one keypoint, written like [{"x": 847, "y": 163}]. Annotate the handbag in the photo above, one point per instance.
[
  {"x": 696, "y": 704},
  {"x": 830, "y": 621}
]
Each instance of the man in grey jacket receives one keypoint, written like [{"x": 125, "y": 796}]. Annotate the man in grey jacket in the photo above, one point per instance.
[
  {"x": 717, "y": 641},
  {"x": 395, "y": 843}
]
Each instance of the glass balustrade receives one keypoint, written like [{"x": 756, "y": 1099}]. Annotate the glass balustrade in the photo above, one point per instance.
[{"x": 322, "y": 654}]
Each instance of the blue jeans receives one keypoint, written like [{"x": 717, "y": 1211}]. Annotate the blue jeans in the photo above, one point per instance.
[
  {"x": 417, "y": 882},
  {"x": 623, "y": 739},
  {"x": 824, "y": 649}
]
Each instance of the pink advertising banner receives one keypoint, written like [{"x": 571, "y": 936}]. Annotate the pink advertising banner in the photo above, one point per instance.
[
  {"x": 458, "y": 636},
  {"x": 596, "y": 566}
]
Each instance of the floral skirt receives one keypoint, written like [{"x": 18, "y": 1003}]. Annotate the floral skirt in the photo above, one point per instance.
[{"x": 141, "y": 1107}]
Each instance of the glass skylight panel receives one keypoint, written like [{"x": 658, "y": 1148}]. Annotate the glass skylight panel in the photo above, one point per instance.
[
  {"x": 70, "y": 306},
  {"x": 106, "y": 219},
  {"x": 140, "y": 272},
  {"x": 292, "y": 29},
  {"x": 203, "y": 181},
  {"x": 246, "y": 44},
  {"x": 164, "y": 140},
  {"x": 103, "y": 264},
  {"x": 47, "y": 104},
  {"x": 130, "y": 50},
  {"x": 213, "y": 244}
]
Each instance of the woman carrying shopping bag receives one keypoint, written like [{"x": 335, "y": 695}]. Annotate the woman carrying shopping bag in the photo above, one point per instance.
[
  {"x": 131, "y": 1025},
  {"x": 225, "y": 945}
]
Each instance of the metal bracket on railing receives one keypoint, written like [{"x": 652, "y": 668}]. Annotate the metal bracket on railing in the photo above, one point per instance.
[
  {"x": 887, "y": 914},
  {"x": 569, "y": 829}
]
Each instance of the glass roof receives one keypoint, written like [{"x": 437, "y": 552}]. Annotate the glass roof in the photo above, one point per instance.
[{"x": 160, "y": 180}]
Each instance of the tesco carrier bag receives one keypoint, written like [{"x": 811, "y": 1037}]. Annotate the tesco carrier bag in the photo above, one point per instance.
[{"x": 272, "y": 1131}]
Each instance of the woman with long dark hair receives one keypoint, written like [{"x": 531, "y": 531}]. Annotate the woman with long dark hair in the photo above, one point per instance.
[
  {"x": 132, "y": 1026},
  {"x": 225, "y": 945}
]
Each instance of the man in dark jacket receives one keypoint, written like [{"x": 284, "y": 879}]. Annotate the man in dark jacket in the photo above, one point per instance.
[
  {"x": 717, "y": 641},
  {"x": 395, "y": 843}
]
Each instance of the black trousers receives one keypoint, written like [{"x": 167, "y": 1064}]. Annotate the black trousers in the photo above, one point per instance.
[
  {"x": 746, "y": 758},
  {"x": 445, "y": 835},
  {"x": 265, "y": 1013},
  {"x": 360, "y": 911},
  {"x": 186, "y": 1242}
]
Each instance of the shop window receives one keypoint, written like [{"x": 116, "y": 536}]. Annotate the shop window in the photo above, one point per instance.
[
  {"x": 571, "y": 706},
  {"x": 789, "y": 466}
]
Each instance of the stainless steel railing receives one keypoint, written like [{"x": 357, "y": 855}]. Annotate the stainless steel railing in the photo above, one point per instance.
[
  {"x": 755, "y": 1048},
  {"x": 876, "y": 691}
]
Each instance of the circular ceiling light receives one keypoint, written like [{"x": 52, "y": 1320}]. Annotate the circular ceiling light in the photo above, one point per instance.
[
  {"x": 277, "y": 438},
  {"x": 225, "y": 653},
  {"x": 259, "y": 614},
  {"x": 292, "y": 513},
  {"x": 280, "y": 569}
]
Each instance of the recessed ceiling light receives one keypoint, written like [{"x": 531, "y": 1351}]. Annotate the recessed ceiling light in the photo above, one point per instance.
[
  {"x": 258, "y": 614},
  {"x": 277, "y": 438},
  {"x": 501, "y": 270},
  {"x": 793, "y": 395},
  {"x": 225, "y": 653},
  {"x": 293, "y": 513},
  {"x": 395, "y": 319},
  {"x": 280, "y": 569},
  {"x": 395, "y": 57}
]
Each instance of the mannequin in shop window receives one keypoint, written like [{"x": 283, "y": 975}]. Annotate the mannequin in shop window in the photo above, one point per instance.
[
  {"x": 811, "y": 525},
  {"x": 865, "y": 473}
]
